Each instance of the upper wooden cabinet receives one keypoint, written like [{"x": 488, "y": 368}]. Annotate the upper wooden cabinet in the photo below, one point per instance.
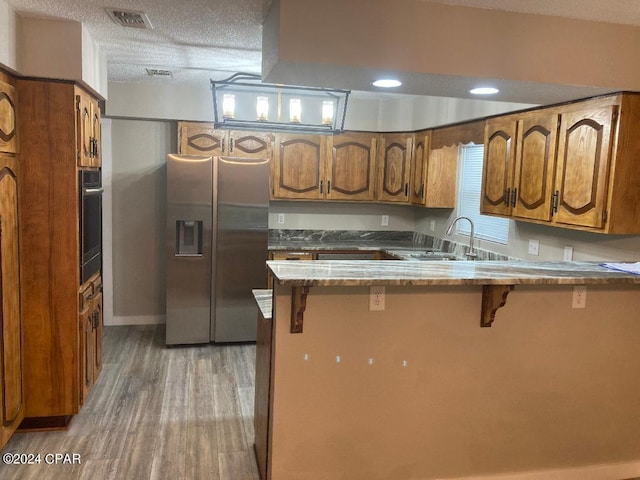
[
  {"x": 572, "y": 165},
  {"x": 584, "y": 164},
  {"x": 519, "y": 163},
  {"x": 349, "y": 166},
  {"x": 298, "y": 167},
  {"x": 89, "y": 130},
  {"x": 497, "y": 172},
  {"x": 317, "y": 167},
  {"x": 395, "y": 153},
  {"x": 200, "y": 139},
  {"x": 435, "y": 163},
  {"x": 196, "y": 138},
  {"x": 8, "y": 123}
]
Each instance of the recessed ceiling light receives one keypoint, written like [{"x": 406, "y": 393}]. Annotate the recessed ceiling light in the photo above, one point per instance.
[
  {"x": 484, "y": 91},
  {"x": 387, "y": 83}
]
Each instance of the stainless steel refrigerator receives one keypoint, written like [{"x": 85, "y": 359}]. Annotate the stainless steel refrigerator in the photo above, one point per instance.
[{"x": 217, "y": 234}]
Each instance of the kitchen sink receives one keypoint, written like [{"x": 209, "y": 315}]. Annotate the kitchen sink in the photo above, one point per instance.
[{"x": 432, "y": 256}]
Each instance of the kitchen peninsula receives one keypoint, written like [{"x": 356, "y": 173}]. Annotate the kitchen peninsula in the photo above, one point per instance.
[{"x": 419, "y": 390}]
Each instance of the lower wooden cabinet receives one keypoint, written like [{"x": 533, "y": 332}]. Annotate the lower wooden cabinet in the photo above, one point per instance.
[
  {"x": 262, "y": 392},
  {"x": 90, "y": 316},
  {"x": 11, "y": 358}
]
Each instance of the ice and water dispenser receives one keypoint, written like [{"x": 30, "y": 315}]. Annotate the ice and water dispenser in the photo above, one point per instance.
[{"x": 188, "y": 237}]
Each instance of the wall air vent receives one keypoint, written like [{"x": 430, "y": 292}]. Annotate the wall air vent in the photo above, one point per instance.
[
  {"x": 156, "y": 72},
  {"x": 129, "y": 18}
]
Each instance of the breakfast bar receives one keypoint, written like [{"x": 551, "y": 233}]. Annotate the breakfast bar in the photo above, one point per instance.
[{"x": 405, "y": 384}]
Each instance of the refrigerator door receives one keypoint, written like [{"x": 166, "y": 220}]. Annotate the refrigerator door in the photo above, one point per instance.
[
  {"x": 241, "y": 216},
  {"x": 189, "y": 212}
]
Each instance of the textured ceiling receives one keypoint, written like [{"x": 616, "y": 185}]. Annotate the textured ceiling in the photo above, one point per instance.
[{"x": 202, "y": 39}]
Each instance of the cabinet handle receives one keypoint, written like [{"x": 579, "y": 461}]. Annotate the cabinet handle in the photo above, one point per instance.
[
  {"x": 514, "y": 197},
  {"x": 328, "y": 186},
  {"x": 422, "y": 191},
  {"x": 223, "y": 145},
  {"x": 554, "y": 202},
  {"x": 507, "y": 196},
  {"x": 230, "y": 145},
  {"x": 406, "y": 189},
  {"x": 320, "y": 186}
]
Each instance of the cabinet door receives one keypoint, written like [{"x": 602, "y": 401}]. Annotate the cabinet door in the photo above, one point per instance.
[
  {"x": 394, "y": 167},
  {"x": 350, "y": 166},
  {"x": 441, "y": 173},
  {"x": 419, "y": 168},
  {"x": 201, "y": 139},
  {"x": 584, "y": 155},
  {"x": 250, "y": 144},
  {"x": 535, "y": 165},
  {"x": 86, "y": 341},
  {"x": 84, "y": 122},
  {"x": 298, "y": 167},
  {"x": 97, "y": 335},
  {"x": 10, "y": 322},
  {"x": 8, "y": 140},
  {"x": 497, "y": 169},
  {"x": 96, "y": 132}
]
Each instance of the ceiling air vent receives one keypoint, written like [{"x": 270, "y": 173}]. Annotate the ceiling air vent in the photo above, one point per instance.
[
  {"x": 156, "y": 72},
  {"x": 129, "y": 18}
]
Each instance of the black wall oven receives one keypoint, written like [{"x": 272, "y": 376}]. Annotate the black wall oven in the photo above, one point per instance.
[{"x": 90, "y": 187}]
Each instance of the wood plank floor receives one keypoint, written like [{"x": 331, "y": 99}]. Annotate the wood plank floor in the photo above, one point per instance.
[{"x": 155, "y": 413}]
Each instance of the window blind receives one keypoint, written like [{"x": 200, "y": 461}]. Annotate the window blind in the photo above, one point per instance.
[{"x": 495, "y": 229}]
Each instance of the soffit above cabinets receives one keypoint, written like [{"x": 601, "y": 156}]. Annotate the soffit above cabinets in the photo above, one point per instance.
[{"x": 204, "y": 39}]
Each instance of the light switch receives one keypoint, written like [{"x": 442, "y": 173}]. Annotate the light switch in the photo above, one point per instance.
[{"x": 534, "y": 247}]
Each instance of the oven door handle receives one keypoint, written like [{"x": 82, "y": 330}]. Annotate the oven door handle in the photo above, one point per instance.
[{"x": 92, "y": 191}]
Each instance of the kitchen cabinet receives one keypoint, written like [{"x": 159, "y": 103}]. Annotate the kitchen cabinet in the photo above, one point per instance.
[
  {"x": 435, "y": 163},
  {"x": 11, "y": 356},
  {"x": 572, "y": 165},
  {"x": 350, "y": 166},
  {"x": 497, "y": 171},
  {"x": 298, "y": 167},
  {"x": 196, "y": 138},
  {"x": 262, "y": 402},
  {"x": 518, "y": 175},
  {"x": 316, "y": 167},
  {"x": 585, "y": 161},
  {"x": 8, "y": 131},
  {"x": 89, "y": 130},
  {"x": 90, "y": 316},
  {"x": 395, "y": 152},
  {"x": 50, "y": 273}
]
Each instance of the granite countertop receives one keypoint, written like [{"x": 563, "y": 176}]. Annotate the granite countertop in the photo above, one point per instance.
[
  {"x": 263, "y": 298},
  {"x": 393, "y": 272}
]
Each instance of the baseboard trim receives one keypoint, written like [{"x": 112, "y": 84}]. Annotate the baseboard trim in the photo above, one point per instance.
[
  {"x": 615, "y": 471},
  {"x": 136, "y": 320}
]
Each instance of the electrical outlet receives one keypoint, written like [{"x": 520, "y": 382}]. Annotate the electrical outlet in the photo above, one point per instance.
[
  {"x": 376, "y": 298},
  {"x": 385, "y": 221},
  {"x": 432, "y": 225},
  {"x": 281, "y": 218},
  {"x": 579, "y": 296},
  {"x": 534, "y": 247},
  {"x": 568, "y": 253}
]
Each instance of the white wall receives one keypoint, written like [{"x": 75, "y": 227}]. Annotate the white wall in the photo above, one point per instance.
[
  {"x": 160, "y": 100},
  {"x": 94, "y": 64},
  {"x": 9, "y": 28},
  {"x": 138, "y": 226},
  {"x": 586, "y": 246},
  {"x": 340, "y": 216}
]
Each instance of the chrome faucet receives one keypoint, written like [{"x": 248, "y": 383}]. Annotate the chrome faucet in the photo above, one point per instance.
[{"x": 471, "y": 253}]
